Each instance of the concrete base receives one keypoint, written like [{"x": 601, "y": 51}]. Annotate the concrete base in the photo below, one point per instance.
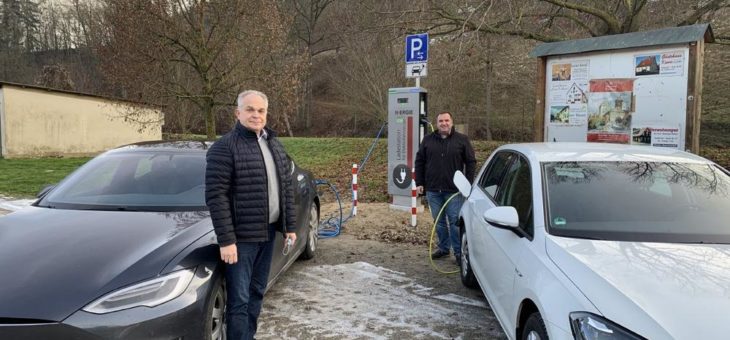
[{"x": 404, "y": 203}]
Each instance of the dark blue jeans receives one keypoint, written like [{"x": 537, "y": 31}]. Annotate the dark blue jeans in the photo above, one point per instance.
[
  {"x": 245, "y": 284},
  {"x": 446, "y": 234}
]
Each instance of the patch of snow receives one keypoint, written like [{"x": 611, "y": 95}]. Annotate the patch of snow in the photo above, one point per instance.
[
  {"x": 14, "y": 205},
  {"x": 360, "y": 300}
]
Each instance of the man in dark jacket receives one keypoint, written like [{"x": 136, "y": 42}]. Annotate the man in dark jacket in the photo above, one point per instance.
[
  {"x": 440, "y": 155},
  {"x": 249, "y": 193}
]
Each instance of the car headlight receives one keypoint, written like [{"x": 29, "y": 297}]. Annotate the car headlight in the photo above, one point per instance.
[
  {"x": 587, "y": 326},
  {"x": 149, "y": 293}
]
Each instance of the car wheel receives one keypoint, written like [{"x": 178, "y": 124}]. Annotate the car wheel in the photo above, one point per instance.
[
  {"x": 467, "y": 275},
  {"x": 312, "y": 233},
  {"x": 534, "y": 328},
  {"x": 214, "y": 324}
]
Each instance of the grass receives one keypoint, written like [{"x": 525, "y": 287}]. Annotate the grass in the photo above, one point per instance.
[
  {"x": 23, "y": 178},
  {"x": 330, "y": 159}
]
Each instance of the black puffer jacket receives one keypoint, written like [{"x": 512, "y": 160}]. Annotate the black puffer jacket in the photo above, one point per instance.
[
  {"x": 438, "y": 159},
  {"x": 236, "y": 189}
]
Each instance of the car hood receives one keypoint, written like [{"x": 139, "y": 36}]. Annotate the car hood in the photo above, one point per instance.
[
  {"x": 657, "y": 290},
  {"x": 53, "y": 261}
]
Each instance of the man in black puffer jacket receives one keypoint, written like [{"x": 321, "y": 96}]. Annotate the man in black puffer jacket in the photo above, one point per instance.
[
  {"x": 440, "y": 155},
  {"x": 249, "y": 193}
]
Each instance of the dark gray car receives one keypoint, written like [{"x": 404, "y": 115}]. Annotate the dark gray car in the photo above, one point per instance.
[{"x": 123, "y": 248}]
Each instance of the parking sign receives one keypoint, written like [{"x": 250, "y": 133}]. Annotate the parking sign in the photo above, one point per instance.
[{"x": 417, "y": 48}]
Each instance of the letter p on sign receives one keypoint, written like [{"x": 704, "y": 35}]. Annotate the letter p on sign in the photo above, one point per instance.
[{"x": 416, "y": 45}]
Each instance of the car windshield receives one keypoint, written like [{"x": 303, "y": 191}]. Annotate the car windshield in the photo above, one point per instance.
[
  {"x": 148, "y": 181},
  {"x": 638, "y": 201}
]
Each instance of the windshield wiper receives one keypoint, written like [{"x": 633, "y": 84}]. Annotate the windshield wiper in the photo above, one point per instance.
[{"x": 128, "y": 208}]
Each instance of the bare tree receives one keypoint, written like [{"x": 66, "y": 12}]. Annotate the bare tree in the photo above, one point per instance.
[
  {"x": 198, "y": 51},
  {"x": 19, "y": 35},
  {"x": 553, "y": 20},
  {"x": 55, "y": 76},
  {"x": 313, "y": 33},
  {"x": 368, "y": 61}
]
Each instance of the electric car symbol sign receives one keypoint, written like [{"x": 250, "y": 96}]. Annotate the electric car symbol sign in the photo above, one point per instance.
[
  {"x": 417, "y": 48},
  {"x": 402, "y": 176}
]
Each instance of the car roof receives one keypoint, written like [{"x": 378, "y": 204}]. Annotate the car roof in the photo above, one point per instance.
[
  {"x": 166, "y": 145},
  {"x": 591, "y": 152}
]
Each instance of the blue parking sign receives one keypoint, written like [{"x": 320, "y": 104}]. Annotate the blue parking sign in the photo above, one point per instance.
[{"x": 417, "y": 48}]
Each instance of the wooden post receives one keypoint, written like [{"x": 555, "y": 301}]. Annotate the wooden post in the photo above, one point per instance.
[
  {"x": 539, "y": 123},
  {"x": 694, "y": 95}
]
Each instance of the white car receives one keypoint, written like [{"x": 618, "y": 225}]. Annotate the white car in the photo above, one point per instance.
[{"x": 599, "y": 241}]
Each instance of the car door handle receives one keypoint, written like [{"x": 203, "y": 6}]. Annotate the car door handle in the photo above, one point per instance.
[{"x": 518, "y": 272}]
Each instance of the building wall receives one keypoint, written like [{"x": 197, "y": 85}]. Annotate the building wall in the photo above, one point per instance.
[{"x": 46, "y": 123}]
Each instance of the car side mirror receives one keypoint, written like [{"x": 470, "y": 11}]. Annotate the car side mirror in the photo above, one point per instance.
[
  {"x": 45, "y": 190},
  {"x": 502, "y": 217},
  {"x": 462, "y": 183},
  {"x": 505, "y": 218}
]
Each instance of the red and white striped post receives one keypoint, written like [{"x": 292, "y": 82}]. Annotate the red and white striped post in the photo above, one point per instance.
[
  {"x": 414, "y": 194},
  {"x": 354, "y": 189}
]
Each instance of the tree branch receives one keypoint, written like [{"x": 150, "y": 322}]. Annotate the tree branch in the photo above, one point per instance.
[
  {"x": 613, "y": 24},
  {"x": 494, "y": 30},
  {"x": 711, "y": 6}
]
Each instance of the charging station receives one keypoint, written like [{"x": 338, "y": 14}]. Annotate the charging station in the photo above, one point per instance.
[{"x": 407, "y": 119}]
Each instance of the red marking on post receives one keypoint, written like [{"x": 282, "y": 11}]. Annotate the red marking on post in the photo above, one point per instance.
[{"x": 409, "y": 141}]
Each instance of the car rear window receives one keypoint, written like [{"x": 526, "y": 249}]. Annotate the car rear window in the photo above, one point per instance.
[{"x": 649, "y": 201}]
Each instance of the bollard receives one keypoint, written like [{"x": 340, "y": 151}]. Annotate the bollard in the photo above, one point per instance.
[
  {"x": 354, "y": 189},
  {"x": 414, "y": 194}
]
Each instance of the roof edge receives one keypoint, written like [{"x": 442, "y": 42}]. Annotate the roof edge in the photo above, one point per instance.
[
  {"x": 84, "y": 94},
  {"x": 663, "y": 36}
]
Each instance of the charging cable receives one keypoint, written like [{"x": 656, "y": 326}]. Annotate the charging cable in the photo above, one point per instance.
[{"x": 330, "y": 227}]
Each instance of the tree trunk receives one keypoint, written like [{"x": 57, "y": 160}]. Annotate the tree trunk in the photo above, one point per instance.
[
  {"x": 308, "y": 103},
  {"x": 209, "y": 120},
  {"x": 488, "y": 84},
  {"x": 288, "y": 126}
]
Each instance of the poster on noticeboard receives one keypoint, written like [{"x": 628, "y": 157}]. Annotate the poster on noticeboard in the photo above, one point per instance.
[
  {"x": 665, "y": 137},
  {"x": 610, "y": 106},
  {"x": 663, "y": 64},
  {"x": 568, "y": 88}
]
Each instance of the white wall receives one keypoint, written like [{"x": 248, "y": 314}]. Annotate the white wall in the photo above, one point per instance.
[{"x": 38, "y": 122}]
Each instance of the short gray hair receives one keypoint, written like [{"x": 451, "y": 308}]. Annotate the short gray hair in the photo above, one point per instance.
[{"x": 244, "y": 94}]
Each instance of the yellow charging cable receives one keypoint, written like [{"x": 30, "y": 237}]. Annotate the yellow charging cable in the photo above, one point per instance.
[{"x": 433, "y": 231}]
